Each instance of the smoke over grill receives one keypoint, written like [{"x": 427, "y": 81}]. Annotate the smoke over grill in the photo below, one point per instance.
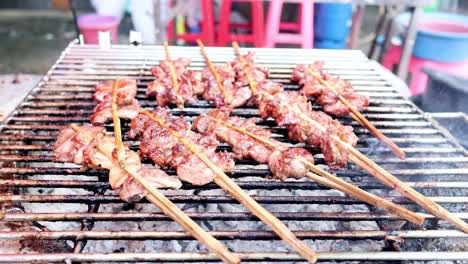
[{"x": 56, "y": 208}]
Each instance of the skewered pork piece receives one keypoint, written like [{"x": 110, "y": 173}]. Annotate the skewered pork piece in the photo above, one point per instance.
[
  {"x": 338, "y": 98},
  {"x": 280, "y": 107},
  {"x": 258, "y": 73},
  {"x": 102, "y": 113},
  {"x": 231, "y": 94},
  {"x": 90, "y": 147},
  {"x": 126, "y": 92},
  {"x": 235, "y": 90},
  {"x": 165, "y": 150},
  {"x": 196, "y": 161},
  {"x": 324, "y": 96},
  {"x": 128, "y": 105},
  {"x": 189, "y": 82},
  {"x": 283, "y": 161}
]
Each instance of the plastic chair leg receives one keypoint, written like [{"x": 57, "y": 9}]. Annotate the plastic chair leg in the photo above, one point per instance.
[
  {"x": 307, "y": 24},
  {"x": 224, "y": 19},
  {"x": 273, "y": 23}
]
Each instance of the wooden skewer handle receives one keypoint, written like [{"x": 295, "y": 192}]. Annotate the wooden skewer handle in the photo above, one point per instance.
[
  {"x": 369, "y": 126},
  {"x": 356, "y": 115},
  {"x": 171, "y": 210},
  {"x": 406, "y": 190},
  {"x": 334, "y": 182},
  {"x": 228, "y": 185},
  {"x": 175, "y": 82},
  {"x": 391, "y": 181},
  {"x": 274, "y": 223},
  {"x": 245, "y": 68},
  {"x": 214, "y": 72}
]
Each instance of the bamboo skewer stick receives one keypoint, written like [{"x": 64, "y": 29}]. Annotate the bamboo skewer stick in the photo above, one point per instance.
[
  {"x": 228, "y": 185},
  {"x": 356, "y": 115},
  {"x": 171, "y": 210},
  {"x": 245, "y": 66},
  {"x": 158, "y": 199},
  {"x": 175, "y": 83},
  {"x": 325, "y": 178},
  {"x": 116, "y": 120},
  {"x": 214, "y": 72},
  {"x": 388, "y": 179}
]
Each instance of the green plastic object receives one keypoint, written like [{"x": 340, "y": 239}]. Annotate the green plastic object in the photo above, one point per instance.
[{"x": 434, "y": 6}]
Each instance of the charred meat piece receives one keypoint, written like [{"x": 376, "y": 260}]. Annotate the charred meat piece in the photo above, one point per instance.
[
  {"x": 190, "y": 83},
  {"x": 126, "y": 92},
  {"x": 159, "y": 144},
  {"x": 102, "y": 113},
  {"x": 236, "y": 93},
  {"x": 286, "y": 163},
  {"x": 242, "y": 145},
  {"x": 90, "y": 147},
  {"x": 324, "y": 96},
  {"x": 128, "y": 106},
  {"x": 70, "y": 145},
  {"x": 286, "y": 107},
  {"x": 282, "y": 160},
  {"x": 257, "y": 73}
]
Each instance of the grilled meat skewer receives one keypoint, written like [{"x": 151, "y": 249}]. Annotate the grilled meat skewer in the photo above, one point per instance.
[
  {"x": 159, "y": 199},
  {"x": 339, "y": 98},
  {"x": 90, "y": 147},
  {"x": 312, "y": 86},
  {"x": 195, "y": 160},
  {"x": 128, "y": 105},
  {"x": 165, "y": 150},
  {"x": 279, "y": 105},
  {"x": 360, "y": 159},
  {"x": 247, "y": 140},
  {"x": 175, "y": 83},
  {"x": 282, "y": 160}
]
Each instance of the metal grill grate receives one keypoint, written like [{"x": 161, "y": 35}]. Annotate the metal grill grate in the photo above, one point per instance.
[{"x": 36, "y": 189}]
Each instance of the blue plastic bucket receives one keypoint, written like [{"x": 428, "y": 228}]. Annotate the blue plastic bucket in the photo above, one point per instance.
[
  {"x": 332, "y": 22},
  {"x": 441, "y": 36},
  {"x": 329, "y": 44}
]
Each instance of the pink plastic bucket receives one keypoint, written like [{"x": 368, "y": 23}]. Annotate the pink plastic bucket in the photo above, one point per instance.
[{"x": 91, "y": 24}]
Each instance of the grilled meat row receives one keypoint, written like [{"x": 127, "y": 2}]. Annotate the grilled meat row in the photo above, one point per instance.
[
  {"x": 283, "y": 161},
  {"x": 159, "y": 144},
  {"x": 289, "y": 109},
  {"x": 311, "y": 86},
  {"x": 90, "y": 147}
]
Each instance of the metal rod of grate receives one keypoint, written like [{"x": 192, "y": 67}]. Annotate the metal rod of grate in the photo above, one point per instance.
[{"x": 436, "y": 165}]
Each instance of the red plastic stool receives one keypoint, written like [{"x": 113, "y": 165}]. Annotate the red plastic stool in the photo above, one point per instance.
[
  {"x": 256, "y": 26},
  {"x": 305, "y": 25},
  {"x": 207, "y": 25},
  {"x": 418, "y": 79}
]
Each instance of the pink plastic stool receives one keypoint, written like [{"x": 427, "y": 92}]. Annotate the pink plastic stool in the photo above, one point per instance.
[
  {"x": 305, "y": 37},
  {"x": 257, "y": 25},
  {"x": 418, "y": 79},
  {"x": 91, "y": 24}
]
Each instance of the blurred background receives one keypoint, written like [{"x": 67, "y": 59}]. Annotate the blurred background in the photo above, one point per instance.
[{"x": 422, "y": 42}]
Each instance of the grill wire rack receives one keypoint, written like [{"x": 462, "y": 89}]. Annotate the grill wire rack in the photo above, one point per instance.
[{"x": 56, "y": 211}]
